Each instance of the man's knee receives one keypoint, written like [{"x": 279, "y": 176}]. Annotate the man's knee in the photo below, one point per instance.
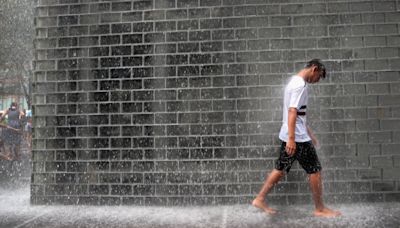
[
  {"x": 278, "y": 172},
  {"x": 316, "y": 174}
]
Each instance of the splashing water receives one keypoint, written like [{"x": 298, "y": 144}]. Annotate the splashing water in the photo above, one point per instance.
[{"x": 15, "y": 211}]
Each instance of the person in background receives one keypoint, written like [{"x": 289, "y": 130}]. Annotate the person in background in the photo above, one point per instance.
[
  {"x": 11, "y": 136},
  {"x": 3, "y": 152},
  {"x": 297, "y": 140}
]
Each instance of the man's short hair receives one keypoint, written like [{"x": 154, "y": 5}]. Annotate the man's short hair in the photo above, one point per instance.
[{"x": 320, "y": 66}]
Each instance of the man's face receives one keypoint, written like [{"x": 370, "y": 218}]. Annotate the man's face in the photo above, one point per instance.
[{"x": 315, "y": 75}]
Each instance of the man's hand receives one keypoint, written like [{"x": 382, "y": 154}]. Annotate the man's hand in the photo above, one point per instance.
[{"x": 290, "y": 147}]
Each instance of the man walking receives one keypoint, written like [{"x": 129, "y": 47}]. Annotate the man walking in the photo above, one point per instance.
[{"x": 298, "y": 140}]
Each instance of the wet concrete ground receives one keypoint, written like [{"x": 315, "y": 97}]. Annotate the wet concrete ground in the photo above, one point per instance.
[{"x": 15, "y": 211}]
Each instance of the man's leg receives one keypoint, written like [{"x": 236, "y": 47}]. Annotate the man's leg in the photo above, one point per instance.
[
  {"x": 316, "y": 188},
  {"x": 271, "y": 180},
  {"x": 6, "y": 152},
  {"x": 17, "y": 152},
  {"x": 4, "y": 155}
]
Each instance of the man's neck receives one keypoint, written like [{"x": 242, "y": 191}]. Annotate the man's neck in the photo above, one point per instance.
[{"x": 303, "y": 74}]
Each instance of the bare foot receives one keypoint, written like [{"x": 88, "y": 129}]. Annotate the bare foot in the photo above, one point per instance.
[
  {"x": 263, "y": 206},
  {"x": 327, "y": 213}
]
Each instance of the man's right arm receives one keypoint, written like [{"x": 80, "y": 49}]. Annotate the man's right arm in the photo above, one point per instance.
[{"x": 291, "y": 144}]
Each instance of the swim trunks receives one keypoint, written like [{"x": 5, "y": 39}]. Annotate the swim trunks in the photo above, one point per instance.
[{"x": 305, "y": 154}]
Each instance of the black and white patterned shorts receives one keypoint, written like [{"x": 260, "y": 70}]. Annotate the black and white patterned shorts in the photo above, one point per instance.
[{"x": 305, "y": 155}]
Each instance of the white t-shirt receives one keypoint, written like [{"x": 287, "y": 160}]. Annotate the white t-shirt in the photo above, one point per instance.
[{"x": 296, "y": 96}]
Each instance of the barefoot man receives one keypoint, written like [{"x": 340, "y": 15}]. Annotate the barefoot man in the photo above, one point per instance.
[{"x": 298, "y": 141}]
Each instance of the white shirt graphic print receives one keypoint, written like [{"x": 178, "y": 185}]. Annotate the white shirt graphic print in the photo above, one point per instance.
[{"x": 295, "y": 96}]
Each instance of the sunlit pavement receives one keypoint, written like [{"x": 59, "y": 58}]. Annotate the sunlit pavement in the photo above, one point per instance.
[{"x": 16, "y": 211}]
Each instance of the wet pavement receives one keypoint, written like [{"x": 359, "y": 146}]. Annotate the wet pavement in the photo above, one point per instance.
[{"x": 16, "y": 211}]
